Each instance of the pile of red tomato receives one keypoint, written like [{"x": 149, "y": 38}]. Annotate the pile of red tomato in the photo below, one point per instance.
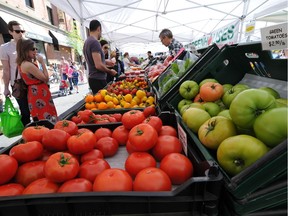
[{"x": 68, "y": 159}]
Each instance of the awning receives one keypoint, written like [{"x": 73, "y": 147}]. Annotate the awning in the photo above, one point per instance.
[
  {"x": 33, "y": 30},
  {"x": 59, "y": 38}
]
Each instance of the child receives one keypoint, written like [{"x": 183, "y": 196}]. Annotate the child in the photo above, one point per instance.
[{"x": 75, "y": 76}]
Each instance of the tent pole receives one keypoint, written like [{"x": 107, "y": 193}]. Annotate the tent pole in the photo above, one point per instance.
[{"x": 242, "y": 18}]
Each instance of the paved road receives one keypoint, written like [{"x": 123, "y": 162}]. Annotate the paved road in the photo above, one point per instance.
[{"x": 62, "y": 103}]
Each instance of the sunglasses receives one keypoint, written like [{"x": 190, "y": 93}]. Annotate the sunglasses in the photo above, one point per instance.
[
  {"x": 105, "y": 47},
  {"x": 34, "y": 49},
  {"x": 18, "y": 31}
]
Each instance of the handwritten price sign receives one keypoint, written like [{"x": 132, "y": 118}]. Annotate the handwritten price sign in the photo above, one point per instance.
[{"x": 274, "y": 37}]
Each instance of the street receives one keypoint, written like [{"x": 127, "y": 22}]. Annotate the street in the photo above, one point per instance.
[{"x": 62, "y": 104}]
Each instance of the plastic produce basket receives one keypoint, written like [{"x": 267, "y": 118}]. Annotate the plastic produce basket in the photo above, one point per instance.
[
  {"x": 232, "y": 65},
  {"x": 199, "y": 195},
  {"x": 206, "y": 57}
]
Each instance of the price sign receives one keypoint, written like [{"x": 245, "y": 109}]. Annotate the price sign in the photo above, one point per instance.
[
  {"x": 274, "y": 37},
  {"x": 182, "y": 138}
]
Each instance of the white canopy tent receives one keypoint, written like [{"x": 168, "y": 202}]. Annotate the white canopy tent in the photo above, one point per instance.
[{"x": 134, "y": 25}]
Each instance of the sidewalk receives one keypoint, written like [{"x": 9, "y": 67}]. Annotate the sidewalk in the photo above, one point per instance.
[{"x": 62, "y": 104}]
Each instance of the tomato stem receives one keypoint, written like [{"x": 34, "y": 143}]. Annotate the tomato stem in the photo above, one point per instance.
[
  {"x": 139, "y": 132},
  {"x": 63, "y": 160},
  {"x": 239, "y": 162},
  {"x": 210, "y": 127}
]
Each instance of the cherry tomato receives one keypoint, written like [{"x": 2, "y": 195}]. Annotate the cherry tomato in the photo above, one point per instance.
[
  {"x": 152, "y": 179},
  {"x": 41, "y": 186},
  {"x": 86, "y": 115},
  {"x": 8, "y": 168},
  {"x": 137, "y": 161},
  {"x": 91, "y": 168},
  {"x": 113, "y": 180},
  {"x": 143, "y": 137},
  {"x": 108, "y": 146},
  {"x": 11, "y": 189},
  {"x": 81, "y": 143},
  {"x": 34, "y": 133},
  {"x": 29, "y": 172},
  {"x": 155, "y": 122},
  {"x": 92, "y": 155},
  {"x": 166, "y": 144},
  {"x": 68, "y": 126},
  {"x": 120, "y": 134},
  {"x": 27, "y": 152},
  {"x": 168, "y": 130},
  {"x": 103, "y": 132},
  {"x": 178, "y": 167},
  {"x": 61, "y": 167},
  {"x": 132, "y": 118},
  {"x": 76, "y": 185},
  {"x": 55, "y": 140}
]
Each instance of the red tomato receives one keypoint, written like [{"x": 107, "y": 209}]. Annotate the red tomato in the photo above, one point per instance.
[
  {"x": 168, "y": 130},
  {"x": 34, "y": 133},
  {"x": 121, "y": 134},
  {"x": 108, "y": 146},
  {"x": 198, "y": 99},
  {"x": 82, "y": 130},
  {"x": 137, "y": 161},
  {"x": 81, "y": 143},
  {"x": 132, "y": 118},
  {"x": 155, "y": 122},
  {"x": 117, "y": 116},
  {"x": 211, "y": 91},
  {"x": 45, "y": 155},
  {"x": 8, "y": 168},
  {"x": 61, "y": 167},
  {"x": 55, "y": 140},
  {"x": 113, "y": 180},
  {"x": 86, "y": 115},
  {"x": 92, "y": 155},
  {"x": 76, "y": 119},
  {"x": 152, "y": 179},
  {"x": 27, "y": 152},
  {"x": 149, "y": 111},
  {"x": 41, "y": 186},
  {"x": 103, "y": 132},
  {"x": 76, "y": 185},
  {"x": 178, "y": 167},
  {"x": 90, "y": 169},
  {"x": 166, "y": 144},
  {"x": 143, "y": 137},
  {"x": 11, "y": 189},
  {"x": 67, "y": 125},
  {"x": 29, "y": 172},
  {"x": 129, "y": 148}
]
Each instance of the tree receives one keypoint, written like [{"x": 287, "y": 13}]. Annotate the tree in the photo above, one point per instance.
[{"x": 76, "y": 42}]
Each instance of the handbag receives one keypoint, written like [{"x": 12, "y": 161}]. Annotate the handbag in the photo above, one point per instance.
[
  {"x": 11, "y": 124},
  {"x": 19, "y": 89}
]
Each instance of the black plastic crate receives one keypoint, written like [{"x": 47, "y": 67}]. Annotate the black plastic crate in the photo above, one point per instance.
[
  {"x": 206, "y": 56},
  {"x": 199, "y": 195},
  {"x": 232, "y": 65}
]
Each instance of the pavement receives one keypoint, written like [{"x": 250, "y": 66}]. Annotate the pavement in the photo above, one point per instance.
[{"x": 62, "y": 103}]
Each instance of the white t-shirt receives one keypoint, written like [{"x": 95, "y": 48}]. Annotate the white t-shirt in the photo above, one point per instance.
[
  {"x": 8, "y": 52},
  {"x": 126, "y": 62}
]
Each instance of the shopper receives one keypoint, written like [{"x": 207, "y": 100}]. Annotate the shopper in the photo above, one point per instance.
[
  {"x": 8, "y": 57},
  {"x": 64, "y": 67},
  {"x": 75, "y": 79},
  {"x": 41, "y": 104},
  {"x": 109, "y": 63},
  {"x": 94, "y": 56},
  {"x": 167, "y": 40},
  {"x": 127, "y": 62}
]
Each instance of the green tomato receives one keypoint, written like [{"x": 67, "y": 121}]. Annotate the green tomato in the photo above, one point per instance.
[
  {"x": 229, "y": 95},
  {"x": 225, "y": 113},
  {"x": 248, "y": 105},
  {"x": 182, "y": 103},
  {"x": 195, "y": 105},
  {"x": 272, "y": 91},
  {"x": 271, "y": 126},
  {"x": 236, "y": 153},
  {"x": 189, "y": 89},
  {"x": 194, "y": 118},
  {"x": 227, "y": 87},
  {"x": 207, "y": 80},
  {"x": 212, "y": 108},
  {"x": 281, "y": 102},
  {"x": 215, "y": 130}
]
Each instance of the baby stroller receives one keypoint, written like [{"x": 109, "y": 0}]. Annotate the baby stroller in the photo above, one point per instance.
[{"x": 63, "y": 88}]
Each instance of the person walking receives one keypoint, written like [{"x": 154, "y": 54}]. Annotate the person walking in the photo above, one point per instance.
[
  {"x": 94, "y": 56},
  {"x": 167, "y": 40},
  {"x": 40, "y": 102},
  {"x": 8, "y": 57}
]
